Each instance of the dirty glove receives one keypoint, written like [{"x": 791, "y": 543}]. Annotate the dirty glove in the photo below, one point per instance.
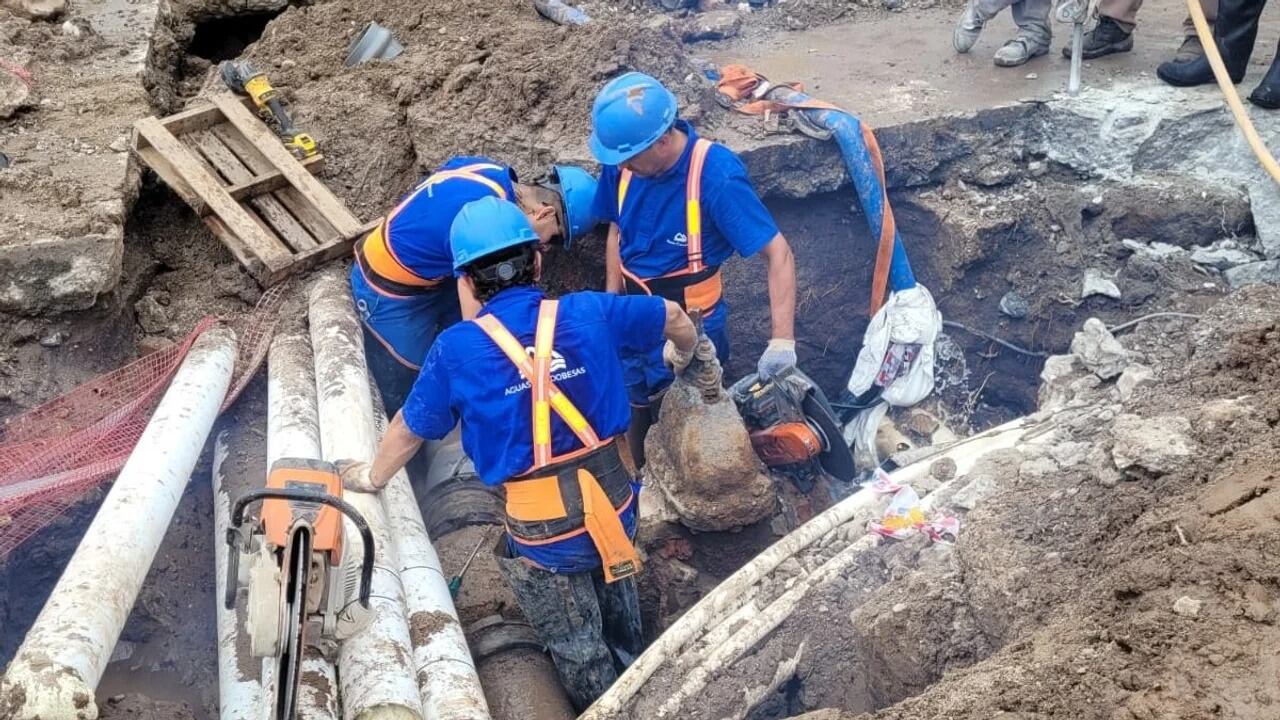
[
  {"x": 778, "y": 356},
  {"x": 356, "y": 476},
  {"x": 675, "y": 358}
]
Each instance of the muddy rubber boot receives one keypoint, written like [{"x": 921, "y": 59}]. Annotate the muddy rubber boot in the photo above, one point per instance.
[
  {"x": 968, "y": 29},
  {"x": 1018, "y": 51},
  {"x": 1190, "y": 49},
  {"x": 1234, "y": 31},
  {"x": 1267, "y": 94},
  {"x": 1106, "y": 38}
]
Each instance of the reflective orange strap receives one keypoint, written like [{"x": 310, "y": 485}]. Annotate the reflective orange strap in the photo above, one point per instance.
[
  {"x": 693, "y": 204},
  {"x": 546, "y": 396},
  {"x": 888, "y": 226},
  {"x": 619, "y": 556},
  {"x": 624, "y": 183}
]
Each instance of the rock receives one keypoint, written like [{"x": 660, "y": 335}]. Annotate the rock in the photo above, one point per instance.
[
  {"x": 231, "y": 280},
  {"x": 1258, "y": 605},
  {"x": 700, "y": 457},
  {"x": 1222, "y": 256},
  {"x": 1101, "y": 467},
  {"x": 1187, "y": 606},
  {"x": 1069, "y": 454},
  {"x": 1132, "y": 377},
  {"x": 1037, "y": 468},
  {"x": 922, "y": 423},
  {"x": 714, "y": 25},
  {"x": 1266, "y": 271},
  {"x": 36, "y": 9},
  {"x": 1014, "y": 305},
  {"x": 1055, "y": 380},
  {"x": 156, "y": 343},
  {"x": 54, "y": 339},
  {"x": 15, "y": 94},
  {"x": 986, "y": 475},
  {"x": 152, "y": 316},
  {"x": 1156, "y": 250},
  {"x": 120, "y": 145},
  {"x": 1156, "y": 445},
  {"x": 943, "y": 469},
  {"x": 1096, "y": 282},
  {"x": 1098, "y": 349}
]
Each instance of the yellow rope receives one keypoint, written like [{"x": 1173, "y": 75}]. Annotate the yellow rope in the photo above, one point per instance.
[{"x": 1229, "y": 91}]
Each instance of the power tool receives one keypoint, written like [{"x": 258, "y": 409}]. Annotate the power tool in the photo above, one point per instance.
[
  {"x": 1075, "y": 13},
  {"x": 245, "y": 79},
  {"x": 793, "y": 428},
  {"x": 303, "y": 586}
]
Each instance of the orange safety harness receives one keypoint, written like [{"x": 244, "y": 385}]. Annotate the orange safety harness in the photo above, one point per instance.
[
  {"x": 552, "y": 509},
  {"x": 695, "y": 286},
  {"x": 378, "y": 260}
]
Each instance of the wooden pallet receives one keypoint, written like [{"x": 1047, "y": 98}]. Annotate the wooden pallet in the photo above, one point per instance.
[{"x": 264, "y": 204}]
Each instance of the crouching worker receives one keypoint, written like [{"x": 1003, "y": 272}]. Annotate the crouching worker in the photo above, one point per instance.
[
  {"x": 402, "y": 279},
  {"x": 537, "y": 385}
]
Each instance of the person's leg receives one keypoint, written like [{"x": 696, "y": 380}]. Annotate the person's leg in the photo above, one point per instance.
[
  {"x": 1191, "y": 47},
  {"x": 975, "y": 16},
  {"x": 620, "y": 610},
  {"x": 1034, "y": 33},
  {"x": 565, "y": 611},
  {"x": 1234, "y": 32},
  {"x": 1114, "y": 31}
]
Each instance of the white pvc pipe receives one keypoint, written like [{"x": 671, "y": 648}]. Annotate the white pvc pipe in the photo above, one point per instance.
[
  {"x": 58, "y": 666},
  {"x": 738, "y": 588},
  {"x": 376, "y": 678},
  {"x": 240, "y": 695},
  {"x": 293, "y": 430},
  {"x": 447, "y": 679}
]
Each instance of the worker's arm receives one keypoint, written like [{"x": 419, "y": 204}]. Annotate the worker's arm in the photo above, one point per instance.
[
  {"x": 679, "y": 328},
  {"x": 398, "y": 446},
  {"x": 782, "y": 286},
  {"x": 613, "y": 260}
]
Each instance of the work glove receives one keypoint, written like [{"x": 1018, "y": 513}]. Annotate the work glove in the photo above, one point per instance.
[
  {"x": 675, "y": 358},
  {"x": 779, "y": 355},
  {"x": 355, "y": 476}
]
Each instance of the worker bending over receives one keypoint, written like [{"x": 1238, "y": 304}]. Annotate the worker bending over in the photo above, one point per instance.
[
  {"x": 680, "y": 207},
  {"x": 402, "y": 280},
  {"x": 537, "y": 385}
]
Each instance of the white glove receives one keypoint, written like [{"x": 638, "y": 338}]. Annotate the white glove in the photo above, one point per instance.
[
  {"x": 675, "y": 358},
  {"x": 356, "y": 477},
  {"x": 778, "y": 356}
]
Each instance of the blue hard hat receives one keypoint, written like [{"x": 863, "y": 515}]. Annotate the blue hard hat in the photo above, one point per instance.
[
  {"x": 629, "y": 115},
  {"x": 577, "y": 190},
  {"x": 486, "y": 226}
]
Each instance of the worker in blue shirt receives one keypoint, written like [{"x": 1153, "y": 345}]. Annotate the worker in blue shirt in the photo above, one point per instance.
[
  {"x": 538, "y": 388},
  {"x": 402, "y": 279},
  {"x": 680, "y": 206}
]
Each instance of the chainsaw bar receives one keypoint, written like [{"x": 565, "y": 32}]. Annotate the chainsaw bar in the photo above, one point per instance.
[{"x": 289, "y": 664}]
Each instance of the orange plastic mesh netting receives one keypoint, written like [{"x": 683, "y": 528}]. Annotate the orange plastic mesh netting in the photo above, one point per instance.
[{"x": 51, "y": 455}]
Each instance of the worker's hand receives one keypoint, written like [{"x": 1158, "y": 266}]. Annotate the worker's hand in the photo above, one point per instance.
[
  {"x": 779, "y": 355},
  {"x": 675, "y": 358},
  {"x": 355, "y": 476}
]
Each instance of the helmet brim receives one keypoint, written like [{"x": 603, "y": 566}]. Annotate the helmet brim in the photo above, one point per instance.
[{"x": 608, "y": 156}]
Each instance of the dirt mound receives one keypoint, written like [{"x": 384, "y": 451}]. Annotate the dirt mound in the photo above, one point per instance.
[{"x": 1073, "y": 596}]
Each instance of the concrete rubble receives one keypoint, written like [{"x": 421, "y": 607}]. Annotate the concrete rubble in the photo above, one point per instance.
[
  {"x": 1099, "y": 351},
  {"x": 1157, "y": 445}
]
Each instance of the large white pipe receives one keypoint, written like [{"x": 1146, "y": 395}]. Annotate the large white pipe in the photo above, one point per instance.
[
  {"x": 293, "y": 430},
  {"x": 447, "y": 677},
  {"x": 729, "y": 596},
  {"x": 240, "y": 695},
  {"x": 376, "y": 677},
  {"x": 58, "y": 666}
]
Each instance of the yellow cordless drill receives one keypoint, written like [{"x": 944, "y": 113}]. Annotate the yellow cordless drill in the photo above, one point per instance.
[{"x": 243, "y": 78}]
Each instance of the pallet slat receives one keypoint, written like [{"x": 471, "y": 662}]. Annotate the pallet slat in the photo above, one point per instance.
[
  {"x": 272, "y": 180},
  {"x": 214, "y": 197},
  {"x": 312, "y": 189}
]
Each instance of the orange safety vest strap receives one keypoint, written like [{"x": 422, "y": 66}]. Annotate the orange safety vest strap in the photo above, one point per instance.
[
  {"x": 546, "y": 396},
  {"x": 692, "y": 210},
  {"x": 605, "y": 528}
]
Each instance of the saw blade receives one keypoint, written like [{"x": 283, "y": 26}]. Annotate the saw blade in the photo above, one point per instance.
[
  {"x": 289, "y": 663},
  {"x": 836, "y": 457}
]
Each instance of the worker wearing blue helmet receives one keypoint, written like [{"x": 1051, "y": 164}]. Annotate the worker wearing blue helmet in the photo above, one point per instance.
[
  {"x": 536, "y": 385},
  {"x": 402, "y": 279},
  {"x": 680, "y": 206}
]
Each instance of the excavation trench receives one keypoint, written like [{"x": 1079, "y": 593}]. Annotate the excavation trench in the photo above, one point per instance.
[{"x": 987, "y": 207}]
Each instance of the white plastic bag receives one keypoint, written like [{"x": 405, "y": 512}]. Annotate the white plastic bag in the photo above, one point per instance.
[{"x": 910, "y": 317}]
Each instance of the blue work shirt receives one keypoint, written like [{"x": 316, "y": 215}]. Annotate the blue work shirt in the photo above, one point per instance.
[
  {"x": 653, "y": 221},
  {"x": 466, "y": 377},
  {"x": 418, "y": 227}
]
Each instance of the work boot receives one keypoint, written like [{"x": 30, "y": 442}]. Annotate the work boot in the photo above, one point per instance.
[
  {"x": 1106, "y": 38},
  {"x": 1267, "y": 94},
  {"x": 1234, "y": 31},
  {"x": 968, "y": 29},
  {"x": 1018, "y": 51},
  {"x": 1189, "y": 50}
]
